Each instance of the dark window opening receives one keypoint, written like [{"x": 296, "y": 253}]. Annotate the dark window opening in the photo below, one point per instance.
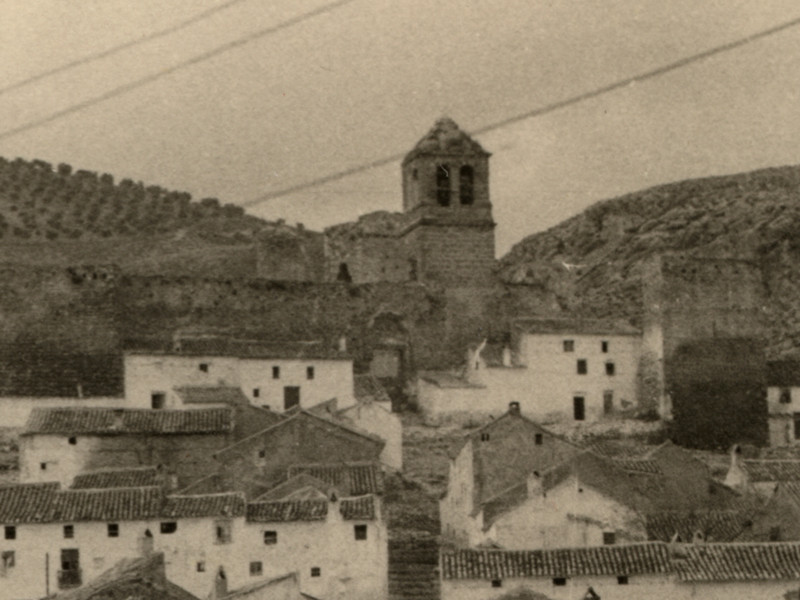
[
  {"x": 276, "y": 372},
  {"x": 203, "y": 367},
  {"x": 610, "y": 368},
  {"x": 360, "y": 532},
  {"x": 484, "y": 437},
  {"x": 309, "y": 372},
  {"x": 797, "y": 426},
  {"x": 72, "y": 440},
  {"x": 69, "y": 531},
  {"x": 256, "y": 392},
  {"x": 608, "y": 402},
  {"x": 11, "y": 532},
  {"x": 443, "y": 185},
  {"x": 157, "y": 400},
  {"x": 414, "y": 174},
  {"x": 583, "y": 366},
  {"x": 316, "y": 571},
  {"x": 559, "y": 581},
  {"x": 70, "y": 574},
  {"x": 497, "y": 583},
  {"x": 291, "y": 397},
  {"x": 569, "y": 345},
  {"x": 622, "y": 580},
  {"x": 609, "y": 538},
  {"x": 169, "y": 527},
  {"x": 113, "y": 529},
  {"x": 43, "y": 466},
  {"x": 344, "y": 273},
  {"x": 466, "y": 185},
  {"x": 579, "y": 408},
  {"x": 9, "y": 560},
  {"x": 270, "y": 537},
  {"x": 222, "y": 532},
  {"x": 604, "y": 346},
  {"x": 256, "y": 568},
  {"x": 538, "y": 439},
  {"x": 786, "y": 396},
  {"x": 201, "y": 566},
  {"x": 262, "y": 454}
]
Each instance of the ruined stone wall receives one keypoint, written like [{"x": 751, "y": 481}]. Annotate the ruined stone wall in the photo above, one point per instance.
[
  {"x": 368, "y": 259},
  {"x": 291, "y": 256}
]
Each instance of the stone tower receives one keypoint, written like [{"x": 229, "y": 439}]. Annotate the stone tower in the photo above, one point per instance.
[{"x": 449, "y": 238}]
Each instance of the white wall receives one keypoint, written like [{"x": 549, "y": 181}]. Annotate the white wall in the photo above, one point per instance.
[
  {"x": 61, "y": 460},
  {"x": 781, "y": 422},
  {"x": 378, "y": 420},
  {"x": 455, "y": 508},
  {"x": 15, "y": 410},
  {"x": 145, "y": 374}
]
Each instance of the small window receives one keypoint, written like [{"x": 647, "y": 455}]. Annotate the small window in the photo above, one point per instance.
[
  {"x": 496, "y": 583},
  {"x": 256, "y": 568},
  {"x": 169, "y": 527},
  {"x": 466, "y": 185},
  {"x": 538, "y": 439},
  {"x": 622, "y": 579},
  {"x": 201, "y": 566},
  {"x": 559, "y": 581},
  {"x": 316, "y": 571},
  {"x": 11, "y": 532},
  {"x": 69, "y": 532},
  {"x": 262, "y": 453},
  {"x": 72, "y": 440},
  {"x": 484, "y": 437},
  {"x": 113, "y": 530},
  {"x": 360, "y": 532},
  {"x": 158, "y": 400},
  {"x": 610, "y": 368},
  {"x": 569, "y": 345},
  {"x": 222, "y": 532},
  {"x": 578, "y": 408},
  {"x": 583, "y": 367},
  {"x": 256, "y": 393},
  {"x": 276, "y": 372},
  {"x": 270, "y": 537},
  {"x": 609, "y": 538},
  {"x": 43, "y": 466},
  {"x": 443, "y": 185},
  {"x": 786, "y": 396},
  {"x": 9, "y": 560},
  {"x": 604, "y": 346},
  {"x": 309, "y": 372},
  {"x": 203, "y": 367}
]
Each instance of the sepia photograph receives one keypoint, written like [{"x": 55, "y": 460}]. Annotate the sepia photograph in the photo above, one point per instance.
[{"x": 399, "y": 300}]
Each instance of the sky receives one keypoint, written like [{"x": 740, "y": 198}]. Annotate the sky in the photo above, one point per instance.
[{"x": 362, "y": 80}]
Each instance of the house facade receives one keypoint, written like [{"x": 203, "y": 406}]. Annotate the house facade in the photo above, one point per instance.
[{"x": 783, "y": 402}]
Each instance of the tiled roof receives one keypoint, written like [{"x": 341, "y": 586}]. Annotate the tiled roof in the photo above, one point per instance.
[
  {"x": 249, "y": 589},
  {"x": 715, "y": 526},
  {"x": 211, "y": 395},
  {"x": 783, "y": 373},
  {"x": 575, "y": 325},
  {"x": 772, "y": 470},
  {"x": 204, "y": 505},
  {"x": 109, "y": 421},
  {"x": 620, "y": 449},
  {"x": 792, "y": 490},
  {"x": 289, "y": 510},
  {"x": 115, "y": 478},
  {"x": 26, "y": 502},
  {"x": 445, "y": 137},
  {"x": 358, "y": 509},
  {"x": 211, "y": 346},
  {"x": 300, "y": 487},
  {"x": 351, "y": 479},
  {"x": 638, "y": 465},
  {"x": 117, "y": 504},
  {"x": 367, "y": 387},
  {"x": 739, "y": 562},
  {"x": 631, "y": 559}
]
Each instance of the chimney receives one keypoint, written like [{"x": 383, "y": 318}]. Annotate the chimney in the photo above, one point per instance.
[
  {"x": 506, "y": 356},
  {"x": 513, "y": 408},
  {"x": 737, "y": 477},
  {"x": 534, "y": 485}
]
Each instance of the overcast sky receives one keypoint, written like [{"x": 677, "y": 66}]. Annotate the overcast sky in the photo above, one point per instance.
[{"x": 367, "y": 78}]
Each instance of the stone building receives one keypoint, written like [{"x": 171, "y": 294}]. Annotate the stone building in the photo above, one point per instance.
[{"x": 783, "y": 402}]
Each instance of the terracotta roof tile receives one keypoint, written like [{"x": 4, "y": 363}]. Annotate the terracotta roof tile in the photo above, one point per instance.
[
  {"x": 739, "y": 562},
  {"x": 109, "y": 421},
  {"x": 115, "y": 478},
  {"x": 772, "y": 470},
  {"x": 26, "y": 502},
  {"x": 204, "y": 505},
  {"x": 289, "y": 510},
  {"x": 575, "y": 325},
  {"x": 115, "y": 504},
  {"x": 358, "y": 509},
  {"x": 351, "y": 479},
  {"x": 715, "y": 526}
]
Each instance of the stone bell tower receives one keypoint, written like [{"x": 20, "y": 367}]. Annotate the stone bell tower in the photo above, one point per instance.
[{"x": 450, "y": 236}]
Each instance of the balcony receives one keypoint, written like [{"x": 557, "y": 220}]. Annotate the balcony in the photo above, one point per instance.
[{"x": 69, "y": 579}]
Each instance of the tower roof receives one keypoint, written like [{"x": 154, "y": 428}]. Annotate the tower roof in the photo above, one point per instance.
[{"x": 445, "y": 137}]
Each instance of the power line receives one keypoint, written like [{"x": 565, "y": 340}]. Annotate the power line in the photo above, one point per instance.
[
  {"x": 127, "y": 87},
  {"x": 539, "y": 111},
  {"x": 84, "y": 60}
]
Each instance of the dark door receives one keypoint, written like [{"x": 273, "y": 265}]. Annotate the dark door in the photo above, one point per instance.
[
  {"x": 70, "y": 573},
  {"x": 608, "y": 402},
  {"x": 579, "y": 408},
  {"x": 291, "y": 396}
]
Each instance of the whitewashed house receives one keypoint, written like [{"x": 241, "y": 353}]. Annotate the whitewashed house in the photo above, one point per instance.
[{"x": 783, "y": 402}]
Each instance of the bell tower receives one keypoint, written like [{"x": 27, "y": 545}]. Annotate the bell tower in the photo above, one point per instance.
[{"x": 450, "y": 236}]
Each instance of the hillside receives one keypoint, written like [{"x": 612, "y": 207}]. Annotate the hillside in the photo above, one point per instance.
[{"x": 592, "y": 261}]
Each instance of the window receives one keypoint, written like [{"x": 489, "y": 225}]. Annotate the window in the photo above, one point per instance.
[
  {"x": 43, "y": 466},
  {"x": 256, "y": 568},
  {"x": 604, "y": 346},
  {"x": 9, "y": 560},
  {"x": 497, "y": 583},
  {"x": 609, "y": 538},
  {"x": 201, "y": 566},
  {"x": 578, "y": 408},
  {"x": 11, "y": 532},
  {"x": 113, "y": 530},
  {"x": 158, "y": 400},
  {"x": 569, "y": 345},
  {"x": 608, "y": 402},
  {"x": 72, "y": 440},
  {"x": 69, "y": 531},
  {"x": 309, "y": 372},
  {"x": 222, "y": 532},
  {"x": 270, "y": 537},
  {"x": 343, "y": 275},
  {"x": 484, "y": 437},
  {"x": 583, "y": 367},
  {"x": 443, "y": 185},
  {"x": 610, "y": 368},
  {"x": 466, "y": 185},
  {"x": 203, "y": 367},
  {"x": 559, "y": 581},
  {"x": 262, "y": 453},
  {"x": 276, "y": 372},
  {"x": 360, "y": 532},
  {"x": 70, "y": 574},
  {"x": 291, "y": 397},
  {"x": 622, "y": 579},
  {"x": 786, "y": 396},
  {"x": 169, "y": 527},
  {"x": 256, "y": 393},
  {"x": 797, "y": 426},
  {"x": 316, "y": 571},
  {"x": 538, "y": 439}
]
